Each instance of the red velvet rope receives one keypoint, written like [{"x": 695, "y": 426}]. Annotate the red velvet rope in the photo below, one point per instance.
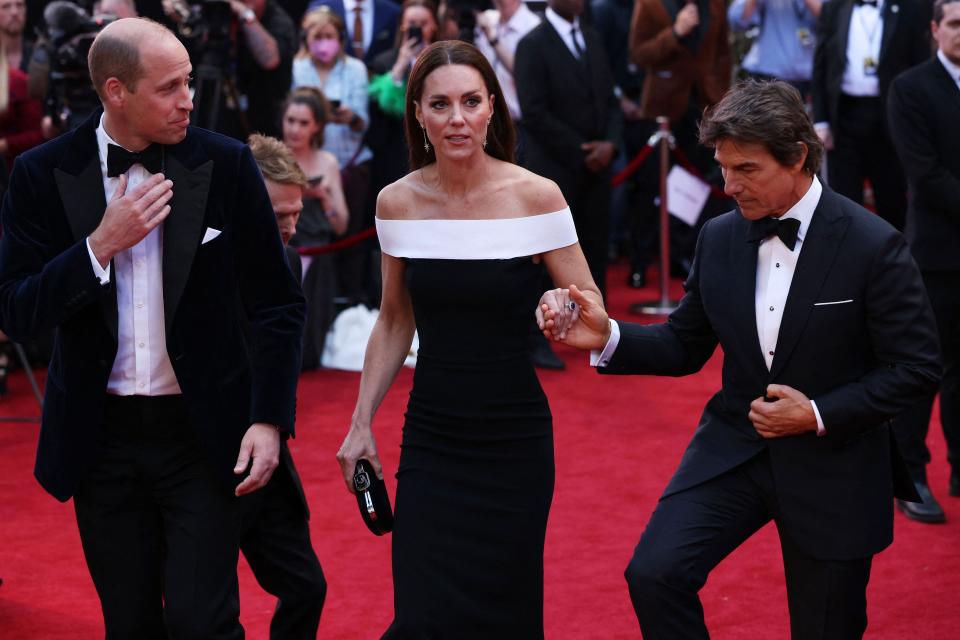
[
  {"x": 631, "y": 168},
  {"x": 343, "y": 243}
]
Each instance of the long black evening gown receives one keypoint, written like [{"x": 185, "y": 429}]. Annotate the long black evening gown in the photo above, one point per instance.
[{"x": 476, "y": 472}]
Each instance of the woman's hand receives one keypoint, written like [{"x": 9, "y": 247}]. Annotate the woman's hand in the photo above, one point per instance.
[
  {"x": 592, "y": 327},
  {"x": 359, "y": 443},
  {"x": 408, "y": 51},
  {"x": 342, "y": 115},
  {"x": 564, "y": 312}
]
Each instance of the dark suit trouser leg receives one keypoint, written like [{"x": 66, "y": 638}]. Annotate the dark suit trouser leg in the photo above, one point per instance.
[
  {"x": 591, "y": 216},
  {"x": 862, "y": 150},
  {"x": 688, "y": 534},
  {"x": 827, "y": 598},
  {"x": 154, "y": 522},
  {"x": 692, "y": 531},
  {"x": 911, "y": 426},
  {"x": 276, "y": 544}
]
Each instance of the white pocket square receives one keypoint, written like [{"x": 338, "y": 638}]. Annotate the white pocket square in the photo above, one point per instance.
[
  {"x": 824, "y": 304},
  {"x": 209, "y": 235}
]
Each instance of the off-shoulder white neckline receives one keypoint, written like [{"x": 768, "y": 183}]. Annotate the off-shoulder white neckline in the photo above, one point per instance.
[{"x": 477, "y": 239}]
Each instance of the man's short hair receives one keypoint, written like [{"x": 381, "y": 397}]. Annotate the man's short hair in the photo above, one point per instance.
[
  {"x": 769, "y": 113},
  {"x": 115, "y": 57},
  {"x": 938, "y": 9},
  {"x": 276, "y": 161}
]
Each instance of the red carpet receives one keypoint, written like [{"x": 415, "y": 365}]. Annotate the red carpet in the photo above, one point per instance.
[{"x": 617, "y": 442}]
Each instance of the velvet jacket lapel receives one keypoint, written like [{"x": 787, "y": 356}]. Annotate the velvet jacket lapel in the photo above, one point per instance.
[
  {"x": 183, "y": 228},
  {"x": 80, "y": 183},
  {"x": 744, "y": 295}
]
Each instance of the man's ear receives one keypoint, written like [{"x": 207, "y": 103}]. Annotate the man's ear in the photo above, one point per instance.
[
  {"x": 802, "y": 159},
  {"x": 114, "y": 92}
]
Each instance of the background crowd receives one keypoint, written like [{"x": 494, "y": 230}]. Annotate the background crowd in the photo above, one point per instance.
[{"x": 584, "y": 82}]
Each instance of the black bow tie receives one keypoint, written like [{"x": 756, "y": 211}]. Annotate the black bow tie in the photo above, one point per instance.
[
  {"x": 119, "y": 160},
  {"x": 869, "y": 3},
  {"x": 786, "y": 229}
]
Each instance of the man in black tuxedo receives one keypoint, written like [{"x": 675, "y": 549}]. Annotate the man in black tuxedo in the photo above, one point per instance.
[
  {"x": 924, "y": 109},
  {"x": 826, "y": 333},
  {"x": 862, "y": 45},
  {"x": 572, "y": 120},
  {"x": 151, "y": 247},
  {"x": 275, "y": 531}
]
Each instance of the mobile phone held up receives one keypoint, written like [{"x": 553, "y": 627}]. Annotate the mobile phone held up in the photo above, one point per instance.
[{"x": 415, "y": 32}]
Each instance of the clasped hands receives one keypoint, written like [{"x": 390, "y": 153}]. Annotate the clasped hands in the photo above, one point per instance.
[{"x": 586, "y": 325}]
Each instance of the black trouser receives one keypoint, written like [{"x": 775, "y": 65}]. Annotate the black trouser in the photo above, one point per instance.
[
  {"x": 275, "y": 540},
  {"x": 692, "y": 531},
  {"x": 590, "y": 206},
  {"x": 862, "y": 149},
  {"x": 912, "y": 425},
  {"x": 159, "y": 532}
]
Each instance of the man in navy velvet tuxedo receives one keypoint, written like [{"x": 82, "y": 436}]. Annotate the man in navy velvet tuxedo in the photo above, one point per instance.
[
  {"x": 826, "y": 334},
  {"x": 151, "y": 247}
]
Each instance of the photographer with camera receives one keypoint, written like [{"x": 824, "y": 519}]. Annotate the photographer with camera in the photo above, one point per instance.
[{"x": 241, "y": 82}]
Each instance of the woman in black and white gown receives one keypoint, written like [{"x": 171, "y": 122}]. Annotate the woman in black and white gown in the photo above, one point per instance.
[{"x": 464, "y": 238}]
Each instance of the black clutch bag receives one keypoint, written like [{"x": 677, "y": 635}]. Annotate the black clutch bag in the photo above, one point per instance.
[{"x": 372, "y": 498}]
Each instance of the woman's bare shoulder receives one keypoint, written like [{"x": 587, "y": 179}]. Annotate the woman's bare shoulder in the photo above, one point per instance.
[
  {"x": 536, "y": 194},
  {"x": 396, "y": 201},
  {"x": 328, "y": 160}
]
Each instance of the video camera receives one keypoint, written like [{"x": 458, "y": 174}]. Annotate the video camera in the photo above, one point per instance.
[{"x": 59, "y": 64}]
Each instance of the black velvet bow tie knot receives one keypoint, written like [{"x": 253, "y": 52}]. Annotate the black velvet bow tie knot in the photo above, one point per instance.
[
  {"x": 785, "y": 229},
  {"x": 119, "y": 160},
  {"x": 869, "y": 3}
]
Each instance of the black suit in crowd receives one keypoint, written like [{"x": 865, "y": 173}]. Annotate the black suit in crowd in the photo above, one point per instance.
[
  {"x": 566, "y": 102},
  {"x": 862, "y": 360},
  {"x": 152, "y": 476},
  {"x": 924, "y": 108},
  {"x": 862, "y": 145},
  {"x": 275, "y": 540}
]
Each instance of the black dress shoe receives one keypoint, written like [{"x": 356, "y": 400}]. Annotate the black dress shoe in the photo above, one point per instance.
[
  {"x": 543, "y": 356},
  {"x": 928, "y": 511},
  {"x": 955, "y": 484},
  {"x": 637, "y": 280}
]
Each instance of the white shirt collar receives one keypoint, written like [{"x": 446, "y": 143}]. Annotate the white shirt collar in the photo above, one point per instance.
[
  {"x": 951, "y": 68},
  {"x": 803, "y": 210},
  {"x": 560, "y": 24}
]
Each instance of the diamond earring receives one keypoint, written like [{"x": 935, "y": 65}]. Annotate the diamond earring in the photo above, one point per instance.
[
  {"x": 426, "y": 143},
  {"x": 483, "y": 142}
]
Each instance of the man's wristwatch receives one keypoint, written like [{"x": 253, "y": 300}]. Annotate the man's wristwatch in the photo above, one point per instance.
[{"x": 248, "y": 16}]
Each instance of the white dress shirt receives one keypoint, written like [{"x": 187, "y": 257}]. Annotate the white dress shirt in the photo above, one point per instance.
[
  {"x": 366, "y": 15},
  {"x": 509, "y": 33},
  {"x": 951, "y": 68},
  {"x": 142, "y": 366},
  {"x": 565, "y": 29},
  {"x": 776, "y": 264},
  {"x": 863, "y": 41}
]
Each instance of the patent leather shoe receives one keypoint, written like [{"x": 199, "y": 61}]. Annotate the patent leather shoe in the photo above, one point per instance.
[{"x": 929, "y": 511}]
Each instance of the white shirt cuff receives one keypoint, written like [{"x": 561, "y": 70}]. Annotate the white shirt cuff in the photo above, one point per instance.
[
  {"x": 102, "y": 274},
  {"x": 821, "y": 430},
  {"x": 602, "y": 358}
]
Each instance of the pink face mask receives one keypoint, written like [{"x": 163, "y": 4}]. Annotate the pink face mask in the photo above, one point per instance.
[{"x": 325, "y": 49}]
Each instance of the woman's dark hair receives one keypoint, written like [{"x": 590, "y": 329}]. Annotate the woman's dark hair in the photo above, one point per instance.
[
  {"x": 429, "y": 5},
  {"x": 770, "y": 113},
  {"x": 501, "y": 138},
  {"x": 313, "y": 99}
]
